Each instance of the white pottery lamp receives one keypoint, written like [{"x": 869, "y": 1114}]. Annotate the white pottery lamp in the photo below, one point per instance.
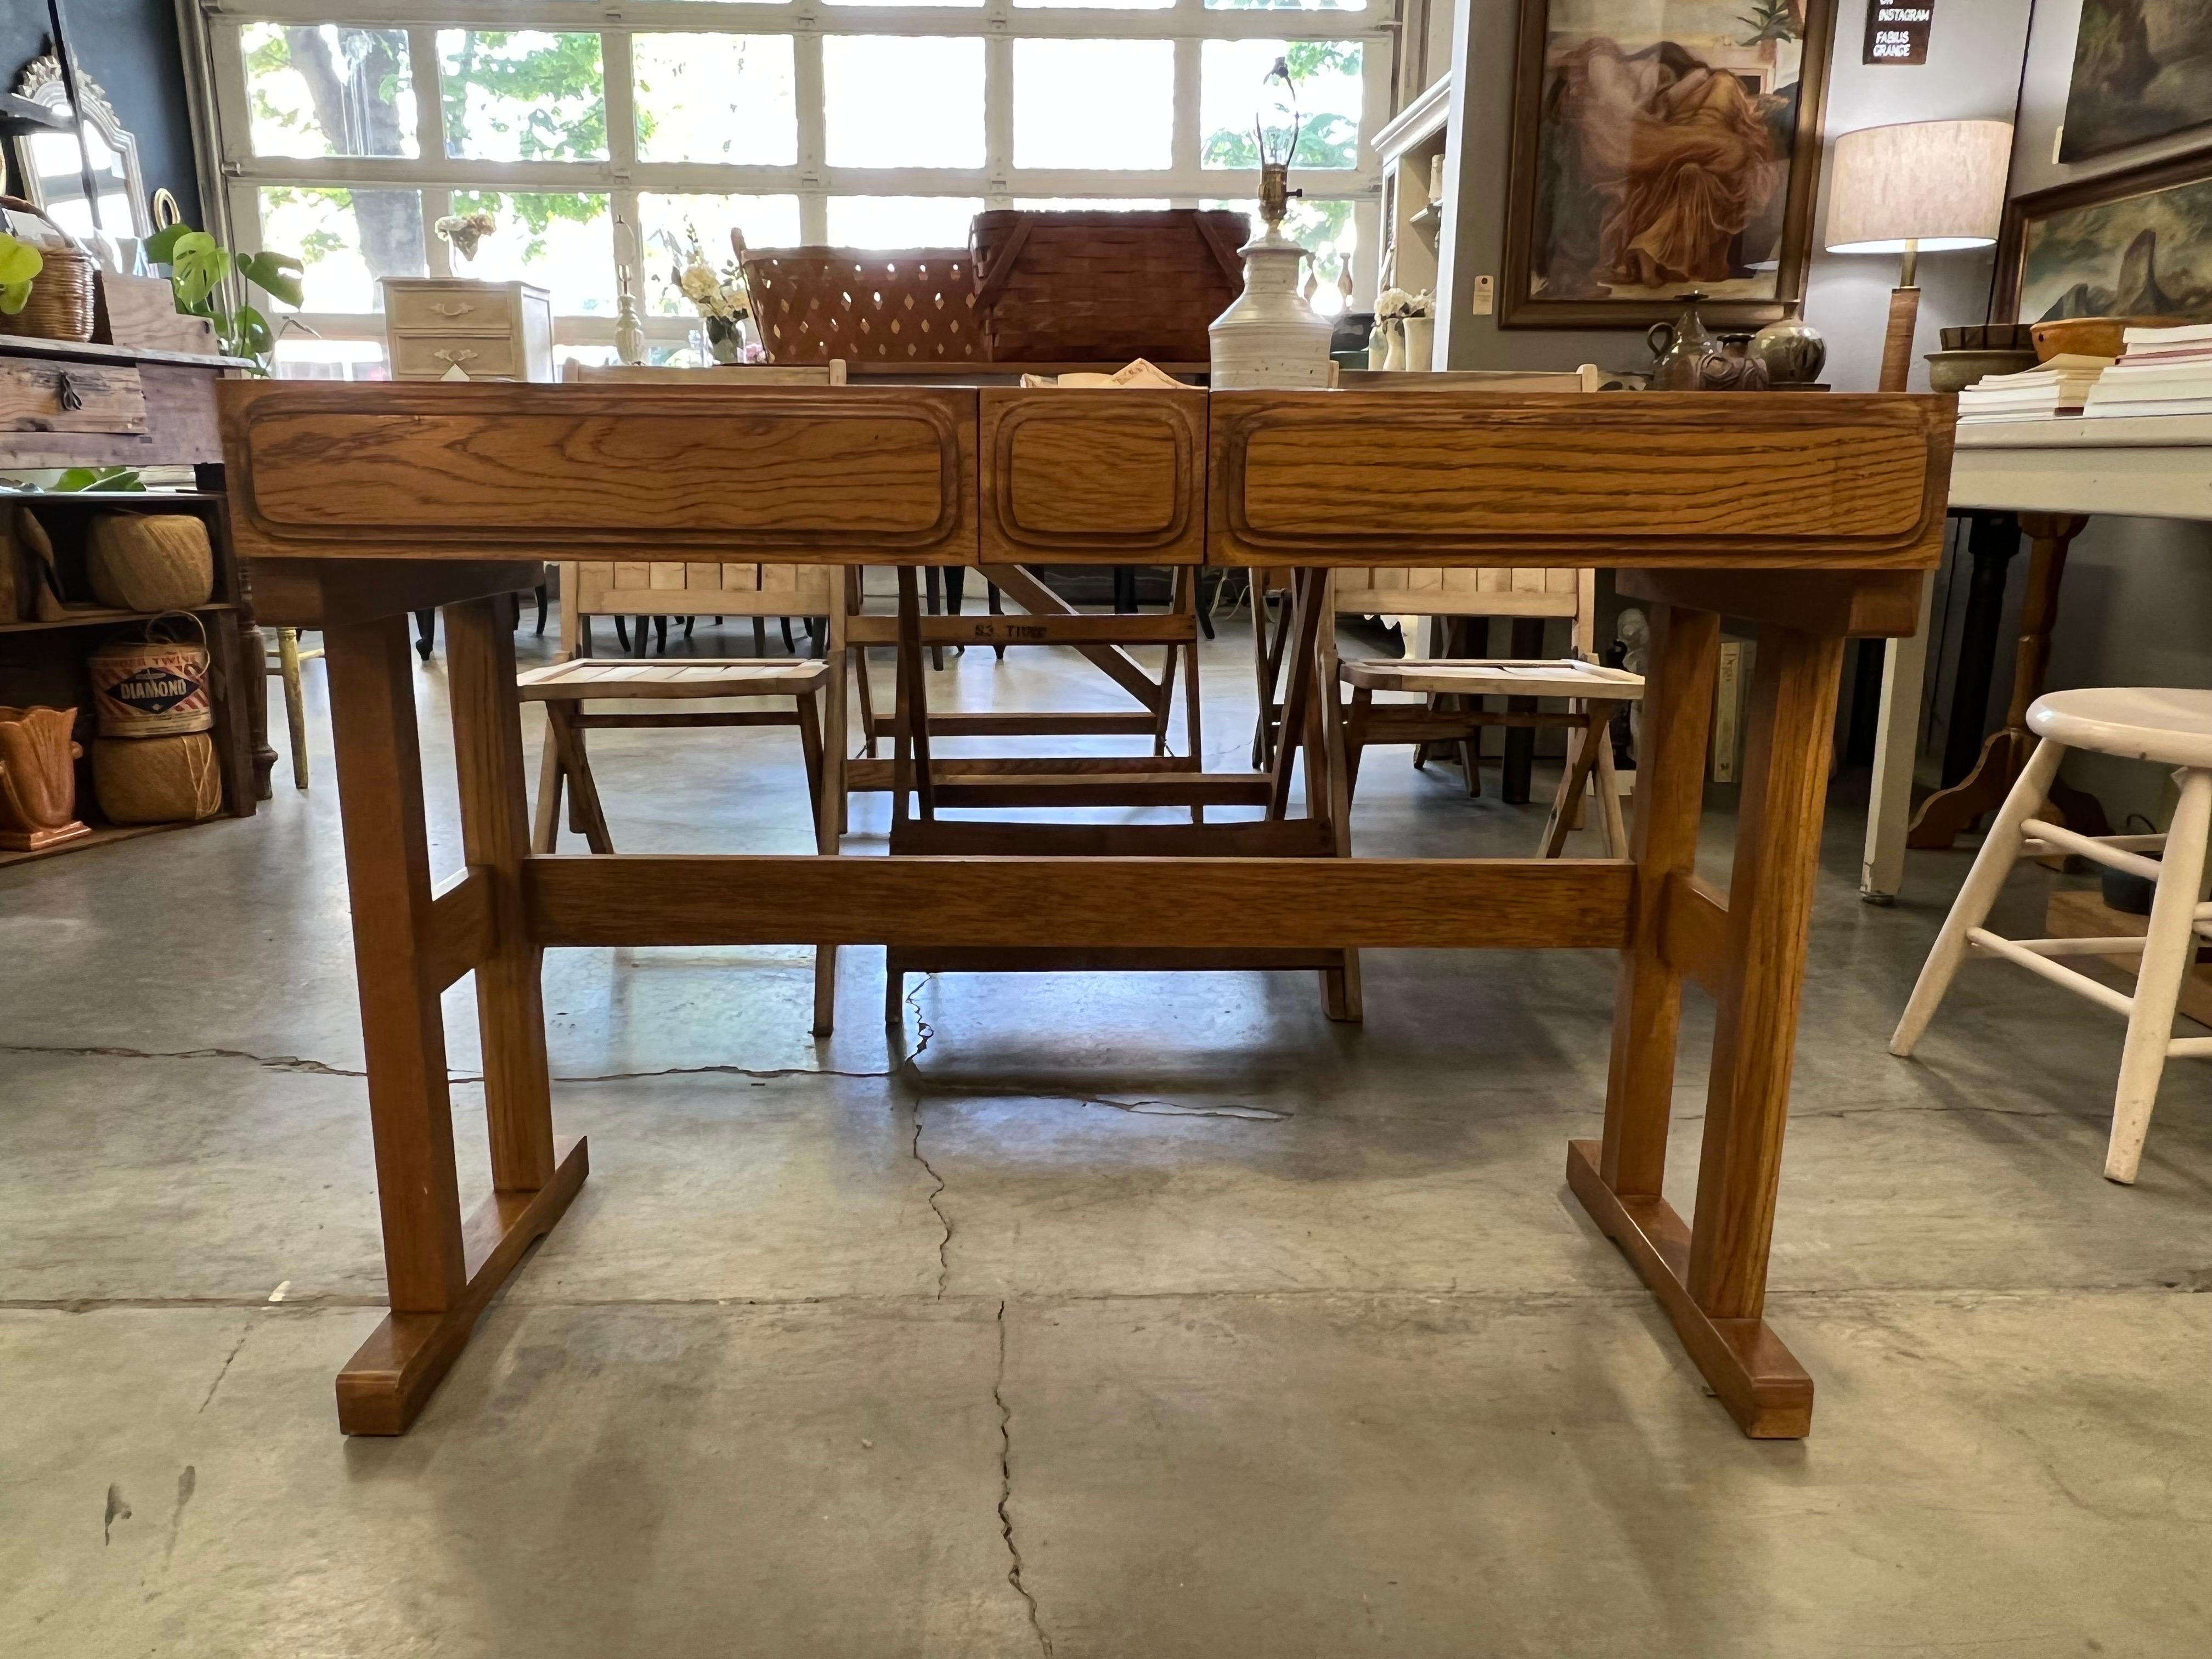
[
  {"x": 1922, "y": 187},
  {"x": 1270, "y": 337}
]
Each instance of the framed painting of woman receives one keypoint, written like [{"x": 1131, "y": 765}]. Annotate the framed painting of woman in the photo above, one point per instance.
[{"x": 1661, "y": 147}]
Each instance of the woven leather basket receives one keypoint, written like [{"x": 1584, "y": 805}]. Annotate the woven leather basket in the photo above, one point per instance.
[
  {"x": 1100, "y": 287},
  {"x": 61, "y": 303},
  {"x": 811, "y": 304}
]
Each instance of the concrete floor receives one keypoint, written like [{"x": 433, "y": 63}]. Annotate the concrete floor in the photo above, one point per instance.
[{"x": 1084, "y": 1316}]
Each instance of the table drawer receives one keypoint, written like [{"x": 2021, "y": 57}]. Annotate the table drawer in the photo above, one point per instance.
[
  {"x": 495, "y": 357},
  {"x": 39, "y": 395},
  {"x": 1093, "y": 475},
  {"x": 457, "y": 308}
]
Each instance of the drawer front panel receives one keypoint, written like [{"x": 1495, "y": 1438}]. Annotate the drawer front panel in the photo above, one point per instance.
[
  {"x": 461, "y": 308},
  {"x": 1107, "y": 474},
  {"x": 672, "y": 474},
  {"x": 417, "y": 356},
  {"x": 65, "y": 397}
]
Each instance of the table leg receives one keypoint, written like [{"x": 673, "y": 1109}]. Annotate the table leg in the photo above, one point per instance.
[
  {"x": 1897, "y": 737},
  {"x": 1711, "y": 1277},
  {"x": 1949, "y": 813},
  {"x": 439, "y": 1272},
  {"x": 495, "y": 840},
  {"x": 1670, "y": 781},
  {"x": 1992, "y": 543}
]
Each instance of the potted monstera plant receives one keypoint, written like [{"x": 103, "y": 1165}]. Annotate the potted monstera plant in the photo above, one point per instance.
[{"x": 200, "y": 269}]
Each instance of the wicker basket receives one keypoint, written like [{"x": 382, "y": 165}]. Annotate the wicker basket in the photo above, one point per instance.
[
  {"x": 811, "y": 304},
  {"x": 1104, "y": 286},
  {"x": 61, "y": 303}
]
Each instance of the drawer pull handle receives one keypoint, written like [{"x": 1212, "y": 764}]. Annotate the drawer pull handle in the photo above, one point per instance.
[
  {"x": 459, "y": 308},
  {"x": 66, "y": 394},
  {"x": 454, "y": 356}
]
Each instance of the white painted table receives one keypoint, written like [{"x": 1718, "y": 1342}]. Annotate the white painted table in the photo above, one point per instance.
[{"x": 2055, "y": 474}]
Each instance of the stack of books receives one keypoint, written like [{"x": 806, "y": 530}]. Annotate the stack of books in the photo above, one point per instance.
[
  {"x": 2060, "y": 385},
  {"x": 2165, "y": 371}
]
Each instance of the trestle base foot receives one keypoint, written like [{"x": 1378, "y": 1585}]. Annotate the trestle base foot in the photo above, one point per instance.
[
  {"x": 391, "y": 1376},
  {"x": 1761, "y": 1384}
]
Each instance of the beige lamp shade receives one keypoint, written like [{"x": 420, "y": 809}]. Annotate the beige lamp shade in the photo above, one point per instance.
[{"x": 1935, "y": 184}]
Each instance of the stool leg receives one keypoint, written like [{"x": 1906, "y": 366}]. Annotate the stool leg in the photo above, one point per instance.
[
  {"x": 991, "y": 603},
  {"x": 296, "y": 710},
  {"x": 2169, "y": 949},
  {"x": 1972, "y": 908}
]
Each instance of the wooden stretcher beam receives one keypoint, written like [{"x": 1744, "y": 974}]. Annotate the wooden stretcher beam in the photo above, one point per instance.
[
  {"x": 1235, "y": 903},
  {"x": 1087, "y": 628}
]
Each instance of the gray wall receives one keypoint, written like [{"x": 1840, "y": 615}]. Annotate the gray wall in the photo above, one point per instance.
[
  {"x": 130, "y": 47},
  {"x": 2137, "y": 591},
  {"x": 1972, "y": 70}
]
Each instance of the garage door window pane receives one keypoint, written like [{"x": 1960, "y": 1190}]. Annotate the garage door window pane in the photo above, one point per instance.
[
  {"x": 1326, "y": 76},
  {"x": 346, "y": 240},
  {"x": 1094, "y": 103},
  {"x": 723, "y": 98},
  {"x": 321, "y": 89},
  {"x": 903, "y": 101},
  {"x": 522, "y": 95}
]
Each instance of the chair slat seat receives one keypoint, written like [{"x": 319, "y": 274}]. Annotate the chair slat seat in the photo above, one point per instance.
[
  {"x": 1548, "y": 677},
  {"x": 597, "y": 678}
]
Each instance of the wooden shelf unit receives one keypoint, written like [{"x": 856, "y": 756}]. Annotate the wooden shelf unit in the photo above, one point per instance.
[
  {"x": 154, "y": 409},
  {"x": 1409, "y": 144}
]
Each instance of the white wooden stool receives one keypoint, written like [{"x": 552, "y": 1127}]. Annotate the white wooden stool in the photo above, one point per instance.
[
  {"x": 563, "y": 688},
  {"x": 1593, "y": 691},
  {"x": 2169, "y": 728}
]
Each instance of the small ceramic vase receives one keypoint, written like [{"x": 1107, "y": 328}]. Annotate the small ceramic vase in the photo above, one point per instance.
[
  {"x": 1395, "y": 332},
  {"x": 1792, "y": 350},
  {"x": 1378, "y": 344},
  {"x": 38, "y": 778},
  {"x": 1421, "y": 344}
]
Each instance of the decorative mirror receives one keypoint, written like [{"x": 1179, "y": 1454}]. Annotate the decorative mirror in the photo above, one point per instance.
[{"x": 49, "y": 166}]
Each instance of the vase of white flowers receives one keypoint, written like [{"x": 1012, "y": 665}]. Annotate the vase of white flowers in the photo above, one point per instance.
[
  {"x": 1408, "y": 323},
  {"x": 718, "y": 297}
]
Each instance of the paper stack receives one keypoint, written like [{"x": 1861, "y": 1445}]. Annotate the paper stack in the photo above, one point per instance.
[
  {"x": 2059, "y": 386},
  {"x": 2165, "y": 371}
]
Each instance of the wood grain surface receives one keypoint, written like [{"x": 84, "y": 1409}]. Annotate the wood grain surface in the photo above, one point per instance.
[
  {"x": 50, "y": 397},
  {"x": 1090, "y": 475},
  {"x": 1261, "y": 903},
  {"x": 808, "y": 474},
  {"x": 1352, "y": 477}
]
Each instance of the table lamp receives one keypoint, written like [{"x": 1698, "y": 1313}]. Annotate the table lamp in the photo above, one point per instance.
[
  {"x": 1921, "y": 187},
  {"x": 1270, "y": 337}
]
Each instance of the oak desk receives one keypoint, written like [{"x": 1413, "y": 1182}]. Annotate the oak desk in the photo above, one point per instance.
[
  {"x": 1814, "y": 517},
  {"x": 2053, "y": 475}
]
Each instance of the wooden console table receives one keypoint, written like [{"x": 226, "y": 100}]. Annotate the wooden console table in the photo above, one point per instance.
[
  {"x": 1815, "y": 517},
  {"x": 2053, "y": 476}
]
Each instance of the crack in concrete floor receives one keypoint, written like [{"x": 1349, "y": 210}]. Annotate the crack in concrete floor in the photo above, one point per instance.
[{"x": 1007, "y": 1490}]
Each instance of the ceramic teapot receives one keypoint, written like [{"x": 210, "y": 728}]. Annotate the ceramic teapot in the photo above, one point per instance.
[
  {"x": 38, "y": 778},
  {"x": 1680, "y": 348}
]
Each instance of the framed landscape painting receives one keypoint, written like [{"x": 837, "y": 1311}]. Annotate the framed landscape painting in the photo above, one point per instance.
[
  {"x": 2131, "y": 244},
  {"x": 1659, "y": 147},
  {"x": 2143, "y": 69}
]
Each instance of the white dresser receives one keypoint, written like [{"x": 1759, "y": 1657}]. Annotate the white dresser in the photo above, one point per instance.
[{"x": 489, "y": 330}]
